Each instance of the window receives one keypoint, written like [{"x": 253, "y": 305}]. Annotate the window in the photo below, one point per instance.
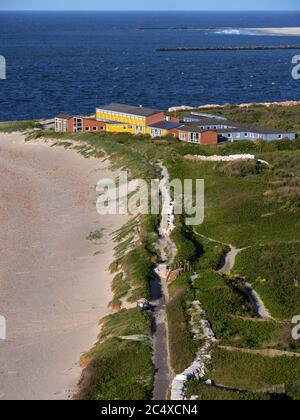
[
  {"x": 229, "y": 135},
  {"x": 246, "y": 134},
  {"x": 95, "y": 128},
  {"x": 58, "y": 125},
  {"x": 155, "y": 132},
  {"x": 280, "y": 136},
  {"x": 87, "y": 128},
  {"x": 182, "y": 136},
  {"x": 194, "y": 137}
]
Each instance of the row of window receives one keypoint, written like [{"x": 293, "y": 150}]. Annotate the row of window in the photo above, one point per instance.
[
  {"x": 194, "y": 137},
  {"x": 94, "y": 128},
  {"x": 250, "y": 135},
  {"x": 112, "y": 115}
]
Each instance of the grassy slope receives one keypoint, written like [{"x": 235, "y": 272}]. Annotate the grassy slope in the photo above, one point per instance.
[
  {"x": 207, "y": 393},
  {"x": 253, "y": 372},
  {"x": 274, "y": 272},
  {"x": 182, "y": 346},
  {"x": 13, "y": 126},
  {"x": 118, "y": 368}
]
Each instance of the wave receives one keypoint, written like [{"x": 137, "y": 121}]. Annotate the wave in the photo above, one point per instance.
[{"x": 235, "y": 31}]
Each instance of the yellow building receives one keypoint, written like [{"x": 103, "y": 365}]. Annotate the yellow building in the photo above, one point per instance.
[
  {"x": 127, "y": 118},
  {"x": 120, "y": 128}
]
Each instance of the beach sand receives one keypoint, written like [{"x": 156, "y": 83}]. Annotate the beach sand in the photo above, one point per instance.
[
  {"x": 277, "y": 31},
  {"x": 53, "y": 288}
]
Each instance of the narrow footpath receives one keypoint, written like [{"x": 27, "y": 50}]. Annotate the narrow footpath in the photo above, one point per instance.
[
  {"x": 159, "y": 290},
  {"x": 256, "y": 301}
]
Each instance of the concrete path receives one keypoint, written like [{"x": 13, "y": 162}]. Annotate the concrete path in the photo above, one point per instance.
[{"x": 159, "y": 289}]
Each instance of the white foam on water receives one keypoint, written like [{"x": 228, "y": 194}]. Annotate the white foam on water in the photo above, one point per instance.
[{"x": 237, "y": 31}]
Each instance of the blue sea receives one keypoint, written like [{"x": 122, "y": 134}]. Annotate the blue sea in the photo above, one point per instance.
[{"x": 72, "y": 61}]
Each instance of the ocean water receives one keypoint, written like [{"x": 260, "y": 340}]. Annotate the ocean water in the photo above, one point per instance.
[{"x": 71, "y": 61}]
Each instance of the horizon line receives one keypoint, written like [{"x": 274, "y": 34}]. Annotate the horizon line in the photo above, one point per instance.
[{"x": 150, "y": 10}]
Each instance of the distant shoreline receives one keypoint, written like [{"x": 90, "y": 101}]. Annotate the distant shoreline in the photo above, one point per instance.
[
  {"x": 233, "y": 48},
  {"x": 277, "y": 31}
]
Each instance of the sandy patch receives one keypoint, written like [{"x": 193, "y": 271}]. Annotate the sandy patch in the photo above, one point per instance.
[
  {"x": 277, "y": 31},
  {"x": 54, "y": 284}
]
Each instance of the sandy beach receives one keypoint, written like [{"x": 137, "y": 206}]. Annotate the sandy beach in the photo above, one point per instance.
[
  {"x": 277, "y": 31},
  {"x": 54, "y": 284}
]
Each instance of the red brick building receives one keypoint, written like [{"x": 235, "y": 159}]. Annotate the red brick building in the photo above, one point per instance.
[
  {"x": 194, "y": 134},
  {"x": 77, "y": 124}
]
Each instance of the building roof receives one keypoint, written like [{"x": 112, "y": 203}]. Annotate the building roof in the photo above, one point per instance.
[
  {"x": 165, "y": 125},
  {"x": 64, "y": 117},
  {"x": 206, "y": 121},
  {"x": 129, "y": 109},
  {"x": 191, "y": 128},
  {"x": 240, "y": 128},
  {"x": 207, "y": 115}
]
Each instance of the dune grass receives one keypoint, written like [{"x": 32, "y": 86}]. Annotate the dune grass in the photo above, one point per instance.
[
  {"x": 182, "y": 346},
  {"x": 273, "y": 270},
  {"x": 208, "y": 393},
  {"x": 14, "y": 126},
  {"x": 116, "y": 368},
  {"x": 253, "y": 372}
]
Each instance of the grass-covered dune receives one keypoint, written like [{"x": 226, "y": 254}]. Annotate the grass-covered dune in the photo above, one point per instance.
[
  {"x": 253, "y": 372},
  {"x": 14, "y": 126},
  {"x": 119, "y": 367},
  {"x": 274, "y": 272},
  {"x": 208, "y": 393}
]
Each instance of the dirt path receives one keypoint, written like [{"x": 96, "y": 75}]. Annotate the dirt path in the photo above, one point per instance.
[
  {"x": 54, "y": 284},
  {"x": 227, "y": 266},
  {"x": 256, "y": 301},
  {"x": 167, "y": 251},
  {"x": 229, "y": 260}
]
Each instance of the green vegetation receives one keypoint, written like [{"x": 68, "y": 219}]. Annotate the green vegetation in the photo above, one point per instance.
[
  {"x": 273, "y": 270},
  {"x": 187, "y": 249},
  {"x": 120, "y": 368},
  {"x": 253, "y": 372},
  {"x": 182, "y": 346},
  {"x": 222, "y": 300},
  {"x": 208, "y": 393},
  {"x": 13, "y": 126},
  {"x": 237, "y": 209},
  {"x": 96, "y": 236}
]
